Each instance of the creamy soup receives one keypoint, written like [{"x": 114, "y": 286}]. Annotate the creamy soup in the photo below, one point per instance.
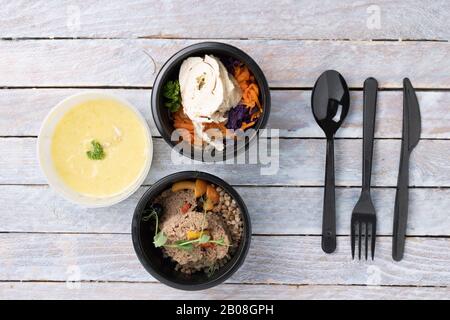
[{"x": 99, "y": 148}]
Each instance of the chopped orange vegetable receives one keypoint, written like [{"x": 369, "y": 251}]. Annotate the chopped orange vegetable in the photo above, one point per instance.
[
  {"x": 208, "y": 205},
  {"x": 181, "y": 121},
  {"x": 247, "y": 125},
  {"x": 192, "y": 235},
  {"x": 221, "y": 126},
  {"x": 183, "y": 185},
  {"x": 250, "y": 90},
  {"x": 211, "y": 193},
  {"x": 183, "y": 125},
  {"x": 200, "y": 187}
]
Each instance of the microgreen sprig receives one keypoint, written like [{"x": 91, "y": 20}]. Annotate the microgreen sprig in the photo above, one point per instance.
[
  {"x": 189, "y": 244},
  {"x": 159, "y": 239}
]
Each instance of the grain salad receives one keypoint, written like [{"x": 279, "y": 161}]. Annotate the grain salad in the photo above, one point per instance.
[{"x": 198, "y": 226}]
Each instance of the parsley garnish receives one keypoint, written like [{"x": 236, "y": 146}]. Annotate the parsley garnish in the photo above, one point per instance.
[
  {"x": 171, "y": 91},
  {"x": 97, "y": 153}
]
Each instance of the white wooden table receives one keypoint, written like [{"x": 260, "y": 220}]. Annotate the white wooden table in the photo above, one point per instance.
[{"x": 50, "y": 50}]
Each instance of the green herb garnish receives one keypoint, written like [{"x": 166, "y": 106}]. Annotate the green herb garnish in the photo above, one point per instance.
[
  {"x": 189, "y": 244},
  {"x": 210, "y": 270},
  {"x": 97, "y": 153},
  {"x": 171, "y": 91},
  {"x": 159, "y": 239}
]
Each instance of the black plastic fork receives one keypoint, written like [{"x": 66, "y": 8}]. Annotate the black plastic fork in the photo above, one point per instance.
[{"x": 364, "y": 219}]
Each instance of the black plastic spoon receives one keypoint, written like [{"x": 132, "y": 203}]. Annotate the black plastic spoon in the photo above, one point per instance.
[{"x": 330, "y": 102}]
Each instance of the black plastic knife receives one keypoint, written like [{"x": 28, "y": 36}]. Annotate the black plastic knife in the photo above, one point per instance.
[{"x": 410, "y": 139}]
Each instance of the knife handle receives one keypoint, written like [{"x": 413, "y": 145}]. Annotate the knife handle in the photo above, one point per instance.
[
  {"x": 401, "y": 207},
  {"x": 369, "y": 114},
  {"x": 329, "y": 203}
]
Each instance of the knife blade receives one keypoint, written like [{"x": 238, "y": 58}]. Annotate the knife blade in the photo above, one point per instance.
[
  {"x": 410, "y": 138},
  {"x": 414, "y": 120}
]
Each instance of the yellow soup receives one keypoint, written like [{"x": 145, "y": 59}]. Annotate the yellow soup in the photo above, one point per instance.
[{"x": 121, "y": 136}]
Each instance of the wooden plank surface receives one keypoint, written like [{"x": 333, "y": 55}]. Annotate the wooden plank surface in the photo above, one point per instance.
[
  {"x": 281, "y": 211},
  {"x": 46, "y": 240},
  {"x": 413, "y": 19},
  {"x": 429, "y": 164},
  {"x": 274, "y": 259},
  {"x": 156, "y": 291},
  {"x": 22, "y": 111},
  {"x": 128, "y": 62}
]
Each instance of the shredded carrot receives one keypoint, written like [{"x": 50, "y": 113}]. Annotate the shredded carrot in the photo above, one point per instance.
[
  {"x": 183, "y": 125},
  {"x": 247, "y": 125},
  {"x": 242, "y": 73},
  {"x": 250, "y": 93},
  {"x": 250, "y": 96},
  {"x": 221, "y": 126},
  {"x": 181, "y": 121}
]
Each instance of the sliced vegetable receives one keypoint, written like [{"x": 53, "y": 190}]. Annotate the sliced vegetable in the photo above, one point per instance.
[
  {"x": 211, "y": 193},
  {"x": 208, "y": 205},
  {"x": 185, "y": 207},
  {"x": 182, "y": 121},
  {"x": 202, "y": 236},
  {"x": 200, "y": 188},
  {"x": 183, "y": 185},
  {"x": 192, "y": 235}
]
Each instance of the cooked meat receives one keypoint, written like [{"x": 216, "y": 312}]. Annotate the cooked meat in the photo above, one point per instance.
[
  {"x": 181, "y": 220},
  {"x": 172, "y": 202},
  {"x": 176, "y": 228}
]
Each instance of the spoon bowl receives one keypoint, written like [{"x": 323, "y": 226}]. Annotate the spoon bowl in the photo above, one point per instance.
[{"x": 330, "y": 102}]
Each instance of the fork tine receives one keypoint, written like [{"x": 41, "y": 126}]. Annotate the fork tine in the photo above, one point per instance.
[
  {"x": 374, "y": 233},
  {"x": 352, "y": 239},
  {"x": 366, "y": 238},
  {"x": 359, "y": 240}
]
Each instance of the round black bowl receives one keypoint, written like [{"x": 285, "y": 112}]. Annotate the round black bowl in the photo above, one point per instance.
[
  {"x": 170, "y": 70},
  {"x": 163, "y": 269}
]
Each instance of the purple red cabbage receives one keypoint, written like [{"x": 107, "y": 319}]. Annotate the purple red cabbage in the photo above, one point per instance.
[
  {"x": 230, "y": 63},
  {"x": 238, "y": 115}
]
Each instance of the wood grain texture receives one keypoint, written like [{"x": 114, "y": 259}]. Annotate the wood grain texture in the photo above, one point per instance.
[
  {"x": 128, "y": 62},
  {"x": 287, "y": 19},
  {"x": 22, "y": 112},
  {"x": 280, "y": 211},
  {"x": 429, "y": 164},
  {"x": 46, "y": 241},
  {"x": 156, "y": 291},
  {"x": 274, "y": 259}
]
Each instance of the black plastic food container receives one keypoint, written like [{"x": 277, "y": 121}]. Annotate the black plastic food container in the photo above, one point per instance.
[
  {"x": 163, "y": 269},
  {"x": 170, "y": 71}
]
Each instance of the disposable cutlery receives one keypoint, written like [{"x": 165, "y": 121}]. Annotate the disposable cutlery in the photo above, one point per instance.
[
  {"x": 410, "y": 138},
  {"x": 330, "y": 102},
  {"x": 364, "y": 219}
]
